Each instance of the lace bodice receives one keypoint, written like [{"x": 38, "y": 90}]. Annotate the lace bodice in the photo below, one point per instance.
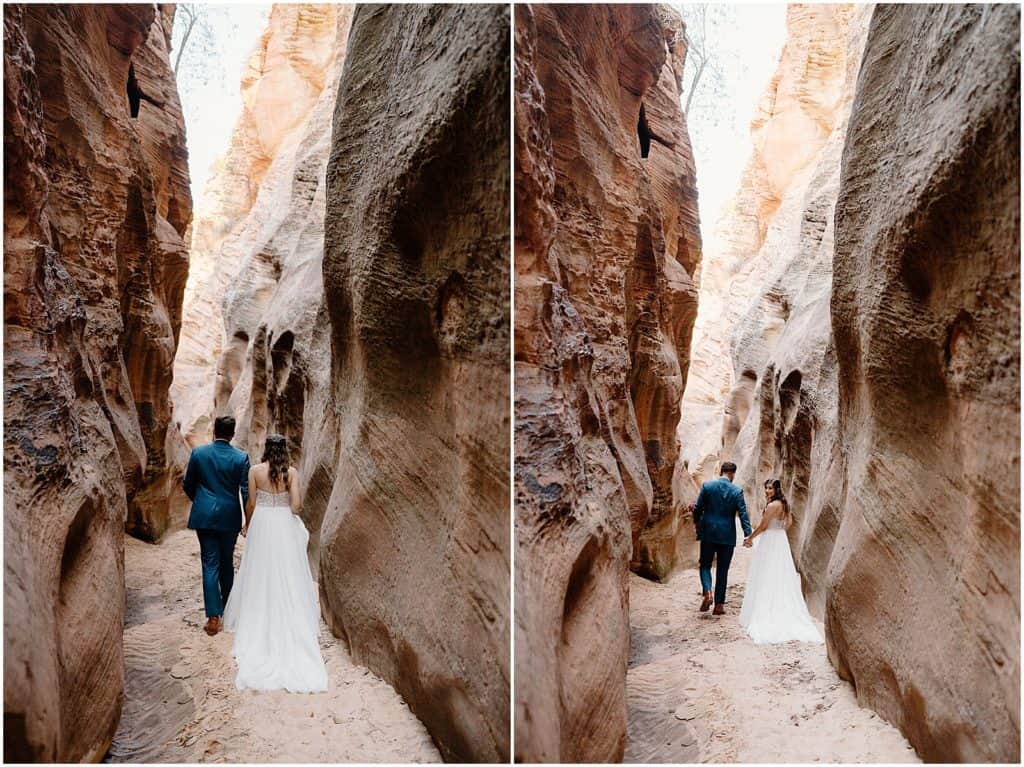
[{"x": 267, "y": 498}]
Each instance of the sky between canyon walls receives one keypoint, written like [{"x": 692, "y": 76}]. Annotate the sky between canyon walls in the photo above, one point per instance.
[
  {"x": 743, "y": 43},
  {"x": 209, "y": 77}
]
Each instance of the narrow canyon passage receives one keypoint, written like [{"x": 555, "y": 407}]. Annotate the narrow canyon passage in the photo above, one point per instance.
[
  {"x": 699, "y": 690},
  {"x": 845, "y": 325},
  {"x": 181, "y": 704}
]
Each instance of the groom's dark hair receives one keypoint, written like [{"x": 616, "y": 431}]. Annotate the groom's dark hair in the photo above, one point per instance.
[
  {"x": 728, "y": 468},
  {"x": 224, "y": 427}
]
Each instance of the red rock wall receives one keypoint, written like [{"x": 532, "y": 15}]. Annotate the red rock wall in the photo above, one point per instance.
[
  {"x": 923, "y": 608},
  {"x": 94, "y": 267},
  {"x": 414, "y": 557},
  {"x": 607, "y": 245}
]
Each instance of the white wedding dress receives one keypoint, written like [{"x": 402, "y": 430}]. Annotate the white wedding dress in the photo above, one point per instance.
[
  {"x": 273, "y": 608},
  {"x": 774, "y": 609}
]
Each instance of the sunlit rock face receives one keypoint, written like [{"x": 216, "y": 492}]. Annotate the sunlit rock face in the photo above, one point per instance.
[
  {"x": 95, "y": 206},
  {"x": 767, "y": 267},
  {"x": 923, "y": 583},
  {"x": 252, "y": 342},
  {"x": 764, "y": 389},
  {"x": 414, "y": 556},
  {"x": 607, "y": 245}
]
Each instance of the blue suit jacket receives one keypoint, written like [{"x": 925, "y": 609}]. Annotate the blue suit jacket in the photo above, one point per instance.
[
  {"x": 714, "y": 514},
  {"x": 216, "y": 473}
]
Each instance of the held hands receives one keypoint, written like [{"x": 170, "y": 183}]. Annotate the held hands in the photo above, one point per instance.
[
  {"x": 688, "y": 511},
  {"x": 748, "y": 541},
  {"x": 245, "y": 529}
]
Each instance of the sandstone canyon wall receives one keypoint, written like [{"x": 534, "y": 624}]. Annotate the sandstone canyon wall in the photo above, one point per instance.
[
  {"x": 864, "y": 292},
  {"x": 414, "y": 561},
  {"x": 766, "y": 282},
  {"x": 96, "y": 204},
  {"x": 607, "y": 247},
  {"x": 923, "y": 601},
  {"x": 253, "y": 342}
]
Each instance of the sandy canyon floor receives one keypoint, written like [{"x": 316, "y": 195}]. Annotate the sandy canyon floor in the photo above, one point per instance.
[
  {"x": 700, "y": 691},
  {"x": 181, "y": 704}
]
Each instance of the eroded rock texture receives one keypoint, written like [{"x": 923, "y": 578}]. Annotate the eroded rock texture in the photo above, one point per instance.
[
  {"x": 766, "y": 283},
  {"x": 96, "y": 203},
  {"x": 607, "y": 244},
  {"x": 254, "y": 340},
  {"x": 414, "y": 562},
  {"x": 923, "y": 606}
]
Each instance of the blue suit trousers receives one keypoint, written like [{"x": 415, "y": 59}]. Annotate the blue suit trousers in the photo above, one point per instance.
[
  {"x": 723, "y": 554},
  {"x": 217, "y": 552}
]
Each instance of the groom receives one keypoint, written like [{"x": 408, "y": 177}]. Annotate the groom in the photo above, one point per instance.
[
  {"x": 216, "y": 473},
  {"x": 714, "y": 516}
]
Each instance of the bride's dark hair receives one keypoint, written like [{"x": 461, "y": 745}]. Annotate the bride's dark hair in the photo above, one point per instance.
[
  {"x": 275, "y": 453},
  {"x": 777, "y": 495}
]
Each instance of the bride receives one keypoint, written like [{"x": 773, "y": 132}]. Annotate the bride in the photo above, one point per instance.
[
  {"x": 273, "y": 608},
  {"x": 773, "y": 603}
]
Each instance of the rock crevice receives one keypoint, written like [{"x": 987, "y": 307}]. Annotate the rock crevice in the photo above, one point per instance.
[
  {"x": 350, "y": 292},
  {"x": 253, "y": 343}
]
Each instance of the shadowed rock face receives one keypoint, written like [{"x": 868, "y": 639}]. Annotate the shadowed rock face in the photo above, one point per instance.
[
  {"x": 254, "y": 339},
  {"x": 606, "y": 246},
  {"x": 94, "y": 268},
  {"x": 414, "y": 559},
  {"x": 923, "y": 609}
]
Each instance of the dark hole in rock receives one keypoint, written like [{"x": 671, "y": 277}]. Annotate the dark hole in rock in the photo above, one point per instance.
[
  {"x": 579, "y": 587},
  {"x": 281, "y": 357},
  {"x": 643, "y": 132},
  {"x": 789, "y": 398},
  {"x": 76, "y": 542},
  {"x": 136, "y": 95}
]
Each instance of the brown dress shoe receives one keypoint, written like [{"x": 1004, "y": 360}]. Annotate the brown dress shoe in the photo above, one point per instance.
[
  {"x": 706, "y": 604},
  {"x": 212, "y": 626},
  {"x": 719, "y": 609}
]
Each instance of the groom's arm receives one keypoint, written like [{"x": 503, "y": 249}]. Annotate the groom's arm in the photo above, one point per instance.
[
  {"x": 744, "y": 519},
  {"x": 188, "y": 482},
  {"x": 244, "y": 484},
  {"x": 698, "y": 509}
]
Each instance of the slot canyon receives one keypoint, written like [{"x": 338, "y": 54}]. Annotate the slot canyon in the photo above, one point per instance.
[
  {"x": 851, "y": 326},
  {"x": 343, "y": 281}
]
